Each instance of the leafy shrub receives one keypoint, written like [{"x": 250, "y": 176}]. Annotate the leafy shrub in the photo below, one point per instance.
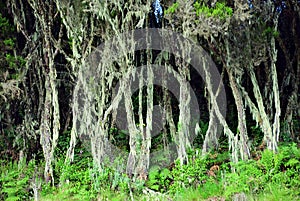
[
  {"x": 246, "y": 178},
  {"x": 254, "y": 177},
  {"x": 192, "y": 174},
  {"x": 75, "y": 179},
  {"x": 172, "y": 8},
  {"x": 15, "y": 181},
  {"x": 159, "y": 180},
  {"x": 273, "y": 177},
  {"x": 220, "y": 10},
  {"x": 5, "y": 27}
]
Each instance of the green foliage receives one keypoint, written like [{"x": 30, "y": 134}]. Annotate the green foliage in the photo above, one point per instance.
[
  {"x": 81, "y": 180},
  {"x": 75, "y": 181},
  {"x": 9, "y": 42},
  {"x": 15, "y": 181},
  {"x": 63, "y": 143},
  {"x": 273, "y": 177},
  {"x": 5, "y": 27},
  {"x": 245, "y": 178},
  {"x": 159, "y": 180},
  {"x": 255, "y": 176},
  {"x": 220, "y": 10},
  {"x": 258, "y": 178},
  {"x": 286, "y": 161},
  {"x": 14, "y": 61},
  {"x": 210, "y": 189},
  {"x": 172, "y": 8},
  {"x": 270, "y": 31},
  {"x": 274, "y": 192},
  {"x": 10, "y": 62},
  {"x": 191, "y": 174}
]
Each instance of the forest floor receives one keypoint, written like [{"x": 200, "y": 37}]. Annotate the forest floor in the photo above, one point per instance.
[{"x": 268, "y": 176}]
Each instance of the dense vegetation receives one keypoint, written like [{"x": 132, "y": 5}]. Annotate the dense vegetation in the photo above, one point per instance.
[
  {"x": 268, "y": 176},
  {"x": 85, "y": 114}
]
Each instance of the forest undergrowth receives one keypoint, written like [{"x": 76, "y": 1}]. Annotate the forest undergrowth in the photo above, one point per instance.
[{"x": 268, "y": 176}]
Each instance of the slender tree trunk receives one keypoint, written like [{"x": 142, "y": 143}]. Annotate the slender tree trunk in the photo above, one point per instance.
[
  {"x": 276, "y": 122},
  {"x": 214, "y": 127},
  {"x": 50, "y": 125},
  {"x": 211, "y": 139},
  {"x": 242, "y": 129},
  {"x": 242, "y": 135}
]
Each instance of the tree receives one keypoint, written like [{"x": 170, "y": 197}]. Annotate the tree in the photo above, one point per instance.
[{"x": 88, "y": 44}]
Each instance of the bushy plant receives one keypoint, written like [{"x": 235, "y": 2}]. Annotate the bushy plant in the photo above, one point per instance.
[
  {"x": 15, "y": 180},
  {"x": 219, "y": 10},
  {"x": 75, "y": 179},
  {"x": 273, "y": 176},
  {"x": 172, "y": 8},
  {"x": 245, "y": 178},
  {"x": 192, "y": 174},
  {"x": 254, "y": 177},
  {"x": 159, "y": 180}
]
